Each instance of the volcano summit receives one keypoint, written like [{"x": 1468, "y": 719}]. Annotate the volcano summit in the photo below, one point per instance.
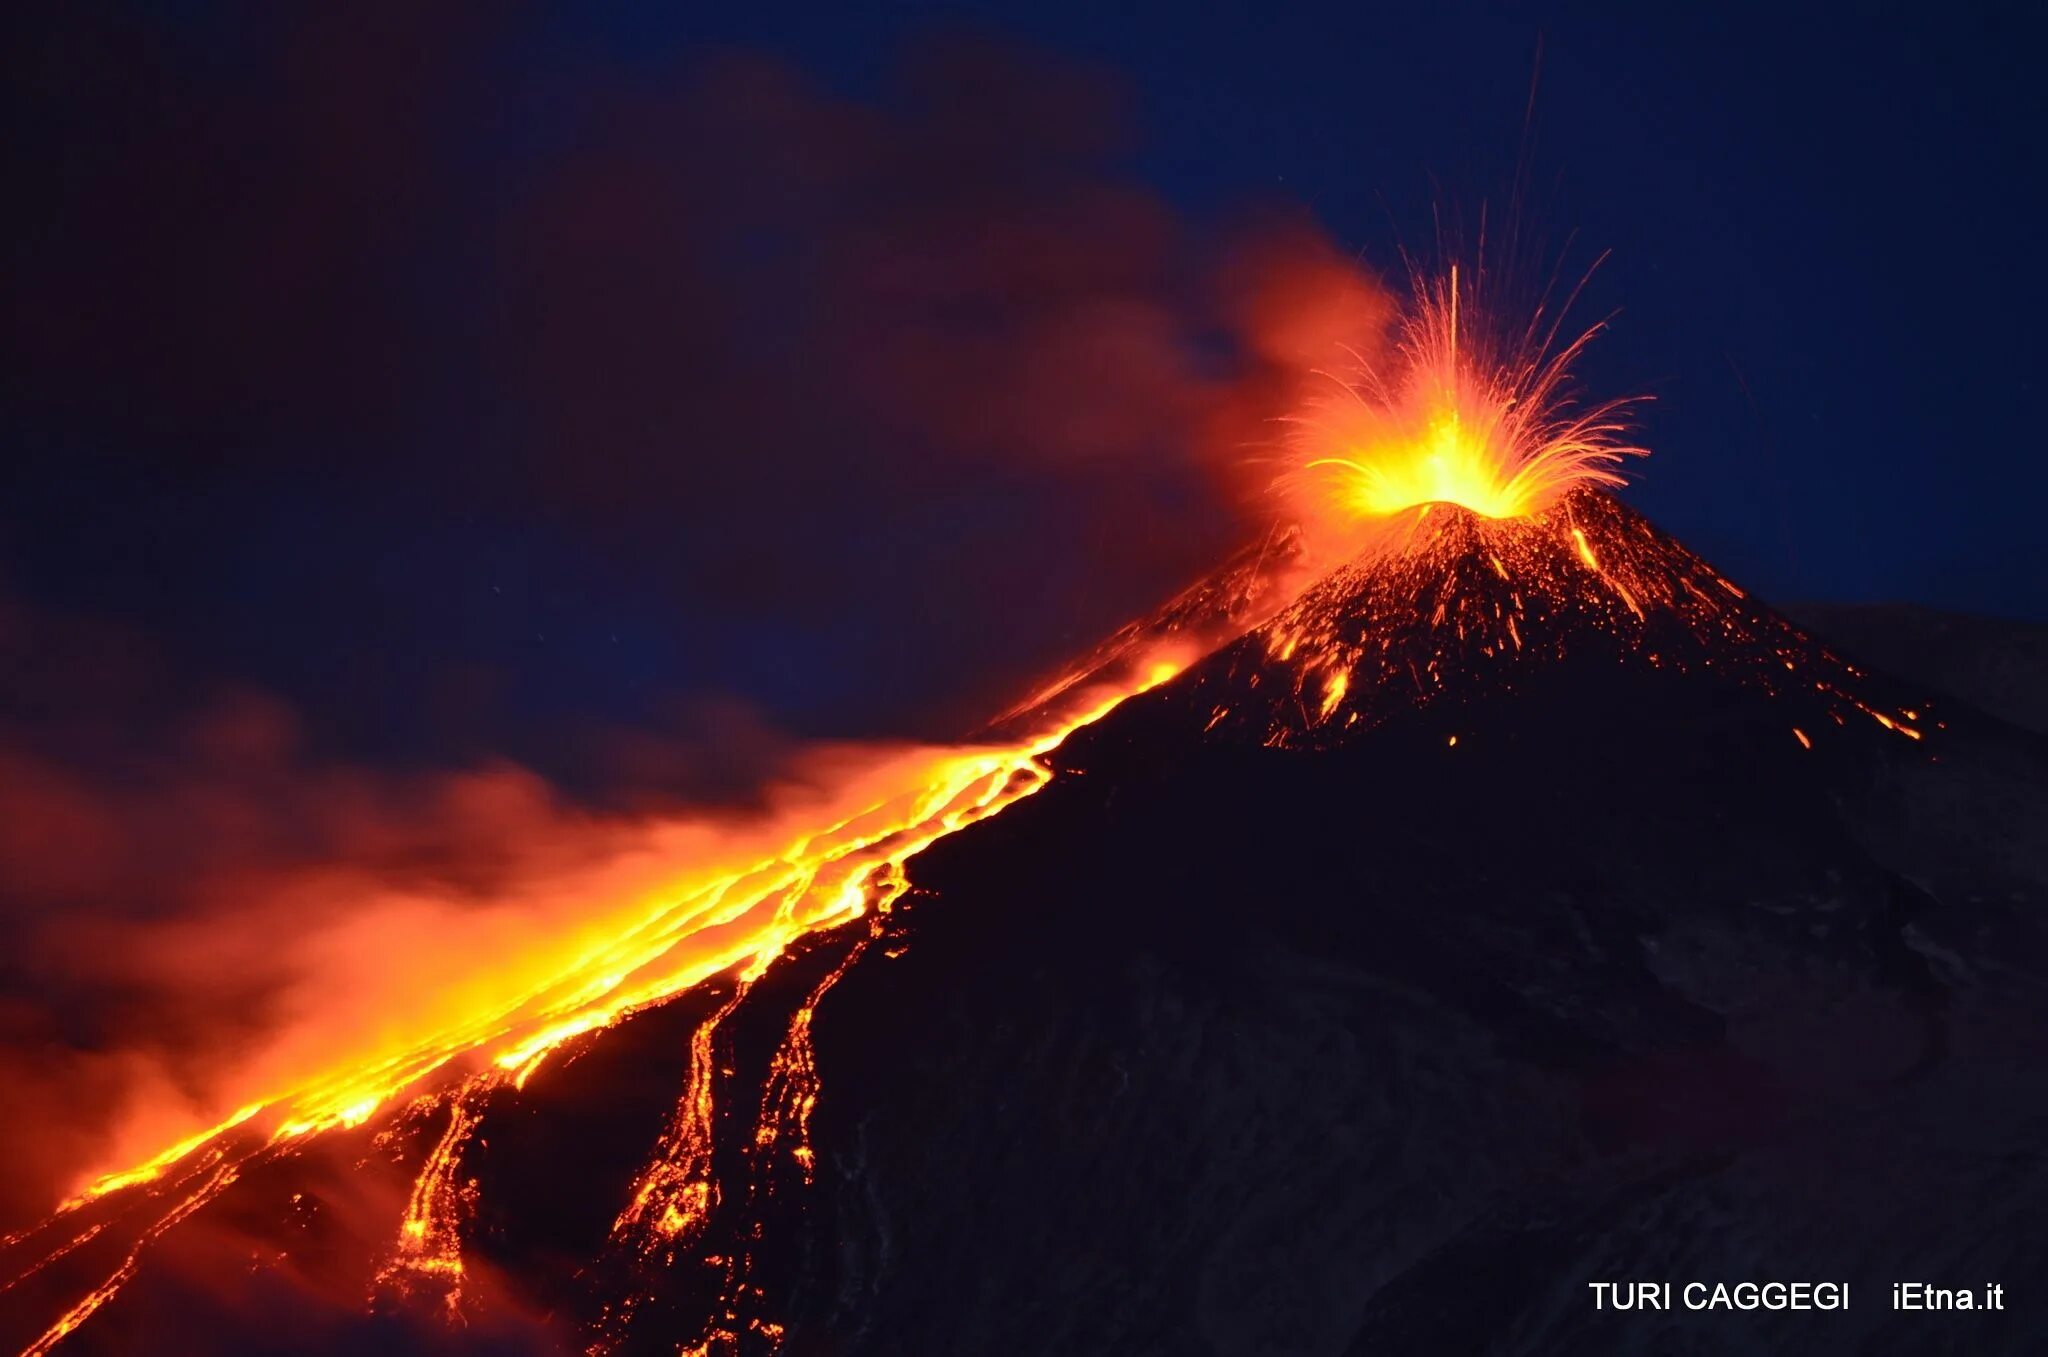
[{"x": 1449, "y": 605}]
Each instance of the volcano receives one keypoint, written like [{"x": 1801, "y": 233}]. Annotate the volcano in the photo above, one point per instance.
[
  {"x": 1465, "y": 905},
  {"x": 1518, "y": 907}
]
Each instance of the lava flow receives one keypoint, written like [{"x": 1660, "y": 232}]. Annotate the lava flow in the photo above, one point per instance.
[
  {"x": 740, "y": 921},
  {"x": 1449, "y": 531}
]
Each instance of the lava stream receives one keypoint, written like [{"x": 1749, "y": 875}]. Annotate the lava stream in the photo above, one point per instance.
[
  {"x": 218, "y": 1173},
  {"x": 741, "y": 919},
  {"x": 676, "y": 1192},
  {"x": 429, "y": 1250}
]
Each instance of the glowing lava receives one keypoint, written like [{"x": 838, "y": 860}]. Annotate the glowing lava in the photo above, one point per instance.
[
  {"x": 739, "y": 920},
  {"x": 1462, "y": 419},
  {"x": 429, "y": 1251},
  {"x": 1446, "y": 603}
]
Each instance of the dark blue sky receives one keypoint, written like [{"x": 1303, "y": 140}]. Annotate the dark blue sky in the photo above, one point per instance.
[
  {"x": 477, "y": 382},
  {"x": 1826, "y": 228}
]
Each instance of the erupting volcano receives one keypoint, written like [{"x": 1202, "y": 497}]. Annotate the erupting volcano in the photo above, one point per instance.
[{"x": 1452, "y": 577}]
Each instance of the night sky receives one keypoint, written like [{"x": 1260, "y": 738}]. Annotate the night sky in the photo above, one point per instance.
[{"x": 533, "y": 382}]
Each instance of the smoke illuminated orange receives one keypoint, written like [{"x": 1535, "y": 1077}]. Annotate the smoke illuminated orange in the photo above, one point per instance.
[{"x": 706, "y": 924}]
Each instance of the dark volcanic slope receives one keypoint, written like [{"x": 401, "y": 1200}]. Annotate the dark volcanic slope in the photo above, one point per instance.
[
  {"x": 1997, "y": 663},
  {"x": 1393, "y": 1046}
]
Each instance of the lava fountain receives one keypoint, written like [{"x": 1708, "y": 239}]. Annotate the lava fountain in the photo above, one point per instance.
[{"x": 1459, "y": 416}]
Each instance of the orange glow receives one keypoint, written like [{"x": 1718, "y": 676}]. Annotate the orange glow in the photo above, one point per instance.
[
  {"x": 1462, "y": 419},
  {"x": 154, "y": 1167}
]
